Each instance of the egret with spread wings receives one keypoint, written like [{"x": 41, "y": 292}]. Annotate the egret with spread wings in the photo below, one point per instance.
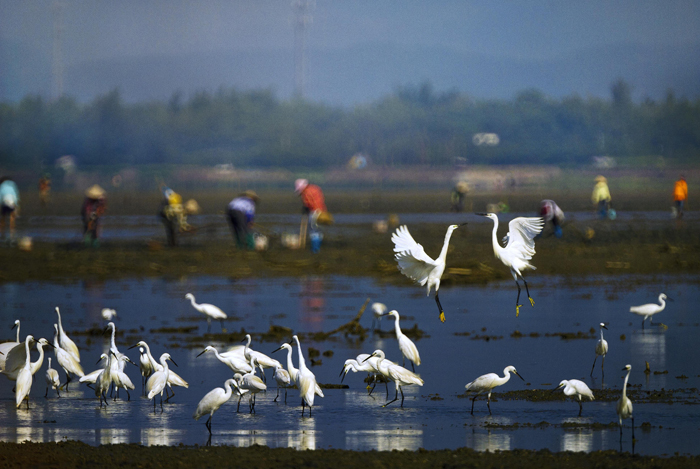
[
  {"x": 519, "y": 249},
  {"x": 415, "y": 264}
]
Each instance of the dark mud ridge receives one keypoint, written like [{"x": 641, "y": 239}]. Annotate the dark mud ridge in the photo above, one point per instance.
[{"x": 73, "y": 454}]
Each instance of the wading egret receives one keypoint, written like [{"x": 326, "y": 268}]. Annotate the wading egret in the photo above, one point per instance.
[
  {"x": 67, "y": 361},
  {"x": 236, "y": 362},
  {"x": 212, "y": 312},
  {"x": 519, "y": 249},
  {"x": 119, "y": 378},
  {"x": 601, "y": 349},
  {"x": 113, "y": 346},
  {"x": 650, "y": 309},
  {"x": 378, "y": 310},
  {"x": 24, "y": 378},
  {"x": 398, "y": 374},
  {"x": 18, "y": 354},
  {"x": 173, "y": 378},
  {"x": 308, "y": 387},
  {"x": 250, "y": 383},
  {"x": 212, "y": 400},
  {"x": 415, "y": 264},
  {"x": 145, "y": 367},
  {"x": 5, "y": 347},
  {"x": 406, "y": 345},
  {"x": 368, "y": 363},
  {"x": 624, "y": 405},
  {"x": 283, "y": 379},
  {"x": 108, "y": 314},
  {"x": 91, "y": 378},
  {"x": 66, "y": 343},
  {"x": 293, "y": 372},
  {"x": 579, "y": 389},
  {"x": 262, "y": 360},
  {"x": 486, "y": 383},
  {"x": 52, "y": 380},
  {"x": 158, "y": 380},
  {"x": 104, "y": 379}
]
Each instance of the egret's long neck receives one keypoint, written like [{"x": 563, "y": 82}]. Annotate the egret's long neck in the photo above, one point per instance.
[
  {"x": 290, "y": 365},
  {"x": 28, "y": 361},
  {"x": 60, "y": 325},
  {"x": 624, "y": 386},
  {"x": 505, "y": 379},
  {"x": 443, "y": 253},
  {"x": 302, "y": 363},
  {"x": 40, "y": 360},
  {"x": 494, "y": 239},
  {"x": 396, "y": 326},
  {"x": 229, "y": 391},
  {"x": 663, "y": 303},
  {"x": 56, "y": 345},
  {"x": 113, "y": 344},
  {"x": 18, "y": 333},
  {"x": 601, "y": 333}
]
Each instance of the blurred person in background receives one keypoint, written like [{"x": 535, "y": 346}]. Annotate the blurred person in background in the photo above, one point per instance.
[
  {"x": 44, "y": 189},
  {"x": 601, "y": 196},
  {"x": 459, "y": 194},
  {"x": 170, "y": 213},
  {"x": 241, "y": 215},
  {"x": 680, "y": 196},
  {"x": 314, "y": 208},
  {"x": 9, "y": 206},
  {"x": 93, "y": 208},
  {"x": 551, "y": 212}
]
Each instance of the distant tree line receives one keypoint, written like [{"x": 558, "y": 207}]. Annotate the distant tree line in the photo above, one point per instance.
[{"x": 413, "y": 125}]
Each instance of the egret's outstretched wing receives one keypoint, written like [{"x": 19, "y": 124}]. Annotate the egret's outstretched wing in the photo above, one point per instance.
[
  {"x": 16, "y": 358},
  {"x": 482, "y": 383},
  {"x": 521, "y": 234},
  {"x": 414, "y": 263}
]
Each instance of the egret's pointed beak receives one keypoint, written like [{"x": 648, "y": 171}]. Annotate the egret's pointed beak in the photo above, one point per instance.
[
  {"x": 557, "y": 388},
  {"x": 341, "y": 373},
  {"x": 133, "y": 346},
  {"x": 373, "y": 355},
  {"x": 129, "y": 360},
  {"x": 171, "y": 359},
  {"x": 277, "y": 349},
  {"x": 519, "y": 375},
  {"x": 13, "y": 326},
  {"x": 603, "y": 326},
  {"x": 205, "y": 351},
  {"x": 462, "y": 224},
  {"x": 105, "y": 331},
  {"x": 50, "y": 345},
  {"x": 244, "y": 339},
  {"x": 98, "y": 361},
  {"x": 481, "y": 214}
]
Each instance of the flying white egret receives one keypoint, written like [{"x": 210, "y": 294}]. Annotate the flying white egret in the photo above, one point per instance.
[
  {"x": 211, "y": 311},
  {"x": 66, "y": 343},
  {"x": 650, "y": 309},
  {"x": 406, "y": 345},
  {"x": 52, "y": 380},
  {"x": 519, "y": 249},
  {"x": 579, "y": 389},
  {"x": 601, "y": 348},
  {"x": 250, "y": 383},
  {"x": 486, "y": 383},
  {"x": 173, "y": 378},
  {"x": 67, "y": 361},
  {"x": 5, "y": 347},
  {"x": 108, "y": 314},
  {"x": 24, "y": 378},
  {"x": 624, "y": 405},
  {"x": 261, "y": 359},
  {"x": 378, "y": 310},
  {"x": 398, "y": 374},
  {"x": 415, "y": 264},
  {"x": 293, "y": 372},
  {"x": 158, "y": 380},
  {"x": 237, "y": 363},
  {"x": 308, "y": 387},
  {"x": 283, "y": 379},
  {"x": 212, "y": 400}
]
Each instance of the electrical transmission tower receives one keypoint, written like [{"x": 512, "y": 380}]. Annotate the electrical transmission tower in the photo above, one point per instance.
[
  {"x": 302, "y": 20},
  {"x": 57, "y": 63}
]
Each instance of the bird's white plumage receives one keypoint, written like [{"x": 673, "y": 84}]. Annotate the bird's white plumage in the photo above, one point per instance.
[
  {"x": 624, "y": 405},
  {"x": 66, "y": 343},
  {"x": 67, "y": 360},
  {"x": 5, "y": 347},
  {"x": 108, "y": 314},
  {"x": 158, "y": 380},
  {"x": 214, "y": 399},
  {"x": 306, "y": 380},
  {"x": 486, "y": 383},
  {"x": 237, "y": 363},
  {"x": 650, "y": 309},
  {"x": 91, "y": 378},
  {"x": 406, "y": 346},
  {"x": 293, "y": 372},
  {"x": 576, "y": 388},
  {"x": 212, "y": 311},
  {"x": 24, "y": 377},
  {"x": 51, "y": 377},
  {"x": 601, "y": 347},
  {"x": 261, "y": 359}
]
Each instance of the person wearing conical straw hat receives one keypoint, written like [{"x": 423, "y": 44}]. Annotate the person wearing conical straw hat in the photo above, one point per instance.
[
  {"x": 241, "y": 215},
  {"x": 93, "y": 208},
  {"x": 9, "y": 206},
  {"x": 601, "y": 196}
]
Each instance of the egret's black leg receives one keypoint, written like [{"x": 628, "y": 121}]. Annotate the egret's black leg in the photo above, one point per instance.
[
  {"x": 488, "y": 403},
  {"x": 401, "y": 395},
  {"x": 278, "y": 394},
  {"x": 161, "y": 403},
  {"x": 46, "y": 396},
  {"x": 602, "y": 368},
  {"x": 208, "y": 424},
  {"x": 442, "y": 313},
  {"x": 633, "y": 429},
  {"x": 238, "y": 407},
  {"x": 580, "y": 408},
  {"x": 167, "y": 399},
  {"x": 473, "y": 399},
  {"x": 517, "y": 300},
  {"x": 643, "y": 323},
  {"x": 594, "y": 360},
  {"x": 532, "y": 302},
  {"x": 128, "y": 396},
  {"x": 396, "y": 398},
  {"x": 285, "y": 395},
  {"x": 413, "y": 367}
]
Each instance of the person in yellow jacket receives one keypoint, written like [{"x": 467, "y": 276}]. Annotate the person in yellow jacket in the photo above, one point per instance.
[
  {"x": 601, "y": 196},
  {"x": 680, "y": 196}
]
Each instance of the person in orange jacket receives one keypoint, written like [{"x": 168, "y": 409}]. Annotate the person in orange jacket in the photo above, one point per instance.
[
  {"x": 680, "y": 196},
  {"x": 314, "y": 204}
]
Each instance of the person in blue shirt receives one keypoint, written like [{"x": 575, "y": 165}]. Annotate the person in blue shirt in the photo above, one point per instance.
[
  {"x": 9, "y": 205},
  {"x": 241, "y": 213}
]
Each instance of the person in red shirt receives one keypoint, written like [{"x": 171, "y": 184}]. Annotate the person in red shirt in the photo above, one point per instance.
[
  {"x": 314, "y": 204},
  {"x": 680, "y": 196}
]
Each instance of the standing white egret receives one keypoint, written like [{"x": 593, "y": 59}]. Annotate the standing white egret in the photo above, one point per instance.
[
  {"x": 398, "y": 374},
  {"x": 378, "y": 310},
  {"x": 519, "y": 249},
  {"x": 5, "y": 347},
  {"x": 173, "y": 378},
  {"x": 406, "y": 345},
  {"x": 67, "y": 361},
  {"x": 212, "y": 400},
  {"x": 119, "y": 378},
  {"x": 370, "y": 364},
  {"x": 308, "y": 387},
  {"x": 24, "y": 378},
  {"x": 52, "y": 380},
  {"x": 17, "y": 355},
  {"x": 293, "y": 372},
  {"x": 251, "y": 383},
  {"x": 66, "y": 343},
  {"x": 145, "y": 367},
  {"x": 211, "y": 311},
  {"x": 650, "y": 309},
  {"x": 624, "y": 405},
  {"x": 104, "y": 378},
  {"x": 236, "y": 362},
  {"x": 574, "y": 387},
  {"x": 91, "y": 378},
  {"x": 415, "y": 264},
  {"x": 108, "y": 314},
  {"x": 283, "y": 379},
  {"x": 158, "y": 380},
  {"x": 261, "y": 359},
  {"x": 601, "y": 348},
  {"x": 486, "y": 383}
]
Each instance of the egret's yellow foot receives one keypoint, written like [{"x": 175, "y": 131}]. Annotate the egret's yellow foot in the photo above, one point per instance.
[
  {"x": 517, "y": 310},
  {"x": 532, "y": 302},
  {"x": 442, "y": 316}
]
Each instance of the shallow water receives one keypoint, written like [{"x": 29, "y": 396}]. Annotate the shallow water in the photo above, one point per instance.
[{"x": 433, "y": 416}]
